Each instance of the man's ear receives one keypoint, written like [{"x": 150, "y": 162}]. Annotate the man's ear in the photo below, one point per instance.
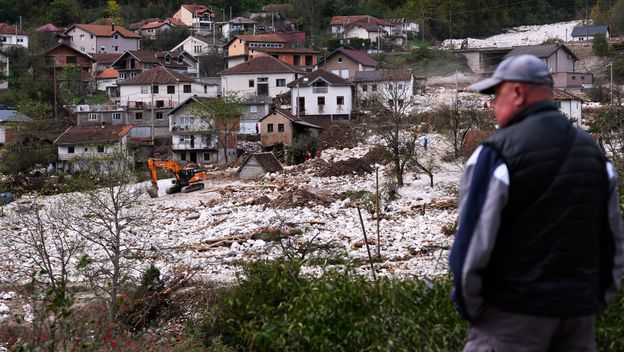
[{"x": 519, "y": 94}]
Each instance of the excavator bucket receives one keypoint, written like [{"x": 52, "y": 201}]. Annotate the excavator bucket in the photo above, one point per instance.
[{"x": 152, "y": 191}]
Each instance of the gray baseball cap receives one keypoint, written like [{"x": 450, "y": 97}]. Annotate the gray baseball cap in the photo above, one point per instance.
[{"x": 520, "y": 68}]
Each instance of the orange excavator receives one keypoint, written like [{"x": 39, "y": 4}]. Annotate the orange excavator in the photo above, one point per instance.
[{"x": 187, "y": 179}]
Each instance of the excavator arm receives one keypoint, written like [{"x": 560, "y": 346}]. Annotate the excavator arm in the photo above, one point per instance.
[{"x": 187, "y": 180}]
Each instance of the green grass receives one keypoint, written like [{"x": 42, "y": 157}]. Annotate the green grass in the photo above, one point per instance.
[
  {"x": 98, "y": 97},
  {"x": 425, "y": 61}
]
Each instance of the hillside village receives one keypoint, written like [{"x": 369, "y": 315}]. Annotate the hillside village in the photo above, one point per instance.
[{"x": 288, "y": 136}]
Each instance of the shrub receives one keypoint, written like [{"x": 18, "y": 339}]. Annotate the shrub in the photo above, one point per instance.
[
  {"x": 600, "y": 47},
  {"x": 274, "y": 309}
]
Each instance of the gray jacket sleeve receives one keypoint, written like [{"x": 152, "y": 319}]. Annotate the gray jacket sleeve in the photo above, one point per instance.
[{"x": 617, "y": 230}]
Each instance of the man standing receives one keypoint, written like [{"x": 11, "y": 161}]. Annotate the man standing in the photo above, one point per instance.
[{"x": 540, "y": 244}]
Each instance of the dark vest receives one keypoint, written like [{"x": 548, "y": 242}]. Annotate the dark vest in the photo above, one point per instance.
[{"x": 547, "y": 257}]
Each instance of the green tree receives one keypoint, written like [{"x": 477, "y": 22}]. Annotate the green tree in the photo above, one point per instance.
[
  {"x": 113, "y": 10},
  {"x": 617, "y": 18},
  {"x": 600, "y": 46}
]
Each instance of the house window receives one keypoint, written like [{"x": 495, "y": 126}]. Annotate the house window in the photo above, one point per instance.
[
  {"x": 155, "y": 89},
  {"x": 103, "y": 48},
  {"x": 116, "y": 36},
  {"x": 138, "y": 116},
  {"x": 573, "y": 77},
  {"x": 116, "y": 116},
  {"x": 205, "y": 88},
  {"x": 144, "y": 89},
  {"x": 82, "y": 37},
  {"x": 160, "y": 115},
  {"x": 115, "y": 48},
  {"x": 280, "y": 82},
  {"x": 82, "y": 49},
  {"x": 365, "y": 88},
  {"x": 86, "y": 149},
  {"x": 253, "y": 108},
  {"x": 270, "y": 128},
  {"x": 72, "y": 59},
  {"x": 160, "y": 103},
  {"x": 340, "y": 100},
  {"x": 100, "y": 149},
  {"x": 321, "y": 100},
  {"x": 339, "y": 60},
  {"x": 374, "y": 87},
  {"x": 185, "y": 120},
  {"x": 187, "y": 88},
  {"x": 183, "y": 156},
  {"x": 179, "y": 60},
  {"x": 170, "y": 89},
  {"x": 206, "y": 156},
  {"x": 70, "y": 149},
  {"x": 251, "y": 83},
  {"x": 185, "y": 139},
  {"x": 91, "y": 36},
  {"x": 92, "y": 117},
  {"x": 280, "y": 128},
  {"x": 167, "y": 60}
]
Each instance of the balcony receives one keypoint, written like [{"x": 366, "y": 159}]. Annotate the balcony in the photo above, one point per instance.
[
  {"x": 192, "y": 128},
  {"x": 193, "y": 146},
  {"x": 162, "y": 104}
]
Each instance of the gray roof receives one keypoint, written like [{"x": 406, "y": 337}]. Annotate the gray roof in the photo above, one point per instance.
[
  {"x": 13, "y": 116},
  {"x": 581, "y": 31},
  {"x": 542, "y": 51}
]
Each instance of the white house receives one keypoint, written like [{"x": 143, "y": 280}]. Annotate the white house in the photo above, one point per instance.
[
  {"x": 78, "y": 145},
  {"x": 340, "y": 24},
  {"x": 8, "y": 117},
  {"x": 582, "y": 33},
  {"x": 11, "y": 35},
  {"x": 4, "y": 71},
  {"x": 569, "y": 105},
  {"x": 93, "y": 38},
  {"x": 323, "y": 94},
  {"x": 152, "y": 29},
  {"x": 255, "y": 108},
  {"x": 237, "y": 25},
  {"x": 364, "y": 31},
  {"x": 262, "y": 76},
  {"x": 390, "y": 86},
  {"x": 199, "y": 18},
  {"x": 200, "y": 45},
  {"x": 195, "y": 138}
]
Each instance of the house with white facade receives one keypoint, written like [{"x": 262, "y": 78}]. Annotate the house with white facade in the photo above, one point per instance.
[
  {"x": 79, "y": 145},
  {"x": 11, "y": 35},
  {"x": 340, "y": 24},
  {"x": 93, "y": 38},
  {"x": 585, "y": 32},
  {"x": 196, "y": 139},
  {"x": 386, "y": 86},
  {"x": 404, "y": 27},
  {"x": 149, "y": 96},
  {"x": 322, "y": 94},
  {"x": 199, "y": 18},
  {"x": 200, "y": 45},
  {"x": 131, "y": 63},
  {"x": 4, "y": 71},
  {"x": 569, "y": 104},
  {"x": 261, "y": 76},
  {"x": 237, "y": 25}
]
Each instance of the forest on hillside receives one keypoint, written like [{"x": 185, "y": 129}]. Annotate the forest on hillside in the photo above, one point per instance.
[{"x": 440, "y": 19}]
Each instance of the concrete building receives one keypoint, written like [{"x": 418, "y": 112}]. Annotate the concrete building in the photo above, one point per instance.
[
  {"x": 199, "y": 18},
  {"x": 322, "y": 94},
  {"x": 346, "y": 61},
  {"x": 11, "y": 35},
  {"x": 280, "y": 126},
  {"x": 92, "y": 38},
  {"x": 261, "y": 76}
]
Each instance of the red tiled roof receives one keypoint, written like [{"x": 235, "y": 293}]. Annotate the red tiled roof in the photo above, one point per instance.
[
  {"x": 105, "y": 134},
  {"x": 329, "y": 77},
  {"x": 176, "y": 22},
  {"x": 199, "y": 9},
  {"x": 105, "y": 58},
  {"x": 286, "y": 50},
  {"x": 104, "y": 30},
  {"x": 268, "y": 38},
  {"x": 158, "y": 75},
  {"x": 108, "y": 73},
  {"x": 154, "y": 25},
  {"x": 262, "y": 64},
  {"x": 48, "y": 28},
  {"x": 342, "y": 20},
  {"x": 8, "y": 29},
  {"x": 562, "y": 95}
]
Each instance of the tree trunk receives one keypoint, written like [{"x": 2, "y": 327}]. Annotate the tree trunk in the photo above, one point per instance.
[{"x": 225, "y": 140}]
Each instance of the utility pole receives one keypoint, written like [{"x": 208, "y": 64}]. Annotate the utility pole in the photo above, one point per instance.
[
  {"x": 611, "y": 64},
  {"x": 152, "y": 129},
  {"x": 456, "y": 91}
]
